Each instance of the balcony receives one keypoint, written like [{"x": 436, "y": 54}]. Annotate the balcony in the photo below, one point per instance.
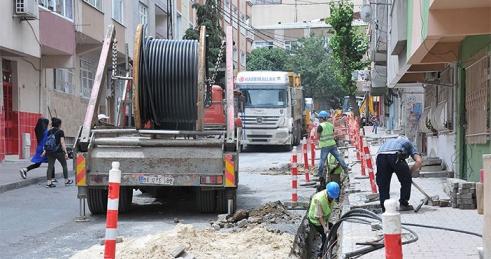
[
  {"x": 57, "y": 37},
  {"x": 89, "y": 28}
]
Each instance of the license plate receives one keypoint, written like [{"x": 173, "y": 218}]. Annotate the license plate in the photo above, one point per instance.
[{"x": 157, "y": 179}]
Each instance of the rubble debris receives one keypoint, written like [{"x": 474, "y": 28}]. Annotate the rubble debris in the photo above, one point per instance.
[
  {"x": 270, "y": 213},
  {"x": 238, "y": 216},
  {"x": 256, "y": 242}
]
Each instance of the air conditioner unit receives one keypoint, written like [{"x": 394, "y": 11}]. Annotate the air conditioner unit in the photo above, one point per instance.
[{"x": 26, "y": 9}]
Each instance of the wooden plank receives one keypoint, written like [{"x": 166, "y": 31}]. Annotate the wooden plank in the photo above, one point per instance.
[
  {"x": 230, "y": 85},
  {"x": 136, "y": 75},
  {"x": 90, "y": 117},
  {"x": 201, "y": 78}
]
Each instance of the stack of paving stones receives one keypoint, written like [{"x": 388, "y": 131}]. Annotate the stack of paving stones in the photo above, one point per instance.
[{"x": 462, "y": 194}]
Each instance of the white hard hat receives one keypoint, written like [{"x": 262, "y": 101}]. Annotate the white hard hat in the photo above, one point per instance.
[{"x": 102, "y": 117}]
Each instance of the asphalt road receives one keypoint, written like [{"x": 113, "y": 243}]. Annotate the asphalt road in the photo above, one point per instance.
[{"x": 36, "y": 222}]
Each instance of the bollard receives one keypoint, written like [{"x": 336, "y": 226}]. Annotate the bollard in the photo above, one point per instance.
[
  {"x": 391, "y": 221},
  {"x": 112, "y": 211},
  {"x": 312, "y": 152},
  {"x": 305, "y": 160},
  {"x": 368, "y": 161},
  {"x": 294, "y": 175}
]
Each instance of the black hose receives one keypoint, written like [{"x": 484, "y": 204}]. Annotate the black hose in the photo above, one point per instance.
[
  {"x": 168, "y": 83},
  {"x": 443, "y": 228}
]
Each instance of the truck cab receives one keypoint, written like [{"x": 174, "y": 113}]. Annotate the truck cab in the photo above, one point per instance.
[{"x": 273, "y": 108}]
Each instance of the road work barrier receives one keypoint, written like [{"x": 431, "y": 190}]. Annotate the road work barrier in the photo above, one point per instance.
[
  {"x": 294, "y": 170},
  {"x": 361, "y": 151},
  {"x": 112, "y": 211},
  {"x": 312, "y": 152},
  {"x": 305, "y": 160},
  {"x": 391, "y": 222},
  {"x": 367, "y": 157}
]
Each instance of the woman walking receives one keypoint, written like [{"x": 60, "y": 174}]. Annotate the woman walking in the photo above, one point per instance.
[
  {"x": 55, "y": 149},
  {"x": 41, "y": 131}
]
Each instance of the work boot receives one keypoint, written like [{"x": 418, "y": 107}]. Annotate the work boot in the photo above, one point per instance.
[{"x": 403, "y": 207}]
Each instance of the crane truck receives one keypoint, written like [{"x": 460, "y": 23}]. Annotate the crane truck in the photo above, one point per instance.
[{"x": 170, "y": 147}]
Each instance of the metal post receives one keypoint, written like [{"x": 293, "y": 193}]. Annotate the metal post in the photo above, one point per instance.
[
  {"x": 486, "y": 237},
  {"x": 230, "y": 206}
]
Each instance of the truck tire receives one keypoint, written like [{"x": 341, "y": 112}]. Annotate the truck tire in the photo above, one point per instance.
[
  {"x": 222, "y": 200},
  {"x": 206, "y": 201},
  {"x": 97, "y": 200}
]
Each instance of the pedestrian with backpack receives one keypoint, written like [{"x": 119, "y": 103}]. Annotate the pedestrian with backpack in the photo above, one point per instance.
[
  {"x": 55, "y": 149},
  {"x": 41, "y": 131}
]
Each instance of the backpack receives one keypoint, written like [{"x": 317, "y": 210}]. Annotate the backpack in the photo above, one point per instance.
[{"x": 50, "y": 145}]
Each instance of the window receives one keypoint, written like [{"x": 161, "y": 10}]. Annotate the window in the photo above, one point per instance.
[
  {"x": 143, "y": 12},
  {"x": 61, "y": 7},
  {"x": 64, "y": 80},
  {"x": 87, "y": 75},
  {"x": 178, "y": 27},
  {"x": 226, "y": 5},
  {"x": 263, "y": 44},
  {"x": 95, "y": 3},
  {"x": 242, "y": 22},
  {"x": 234, "y": 16},
  {"x": 242, "y": 58},
  {"x": 118, "y": 11},
  {"x": 289, "y": 44}
]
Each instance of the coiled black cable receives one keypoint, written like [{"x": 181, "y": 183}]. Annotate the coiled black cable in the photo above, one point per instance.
[{"x": 168, "y": 83}]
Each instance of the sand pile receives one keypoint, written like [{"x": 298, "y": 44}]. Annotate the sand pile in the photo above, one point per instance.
[{"x": 254, "y": 242}]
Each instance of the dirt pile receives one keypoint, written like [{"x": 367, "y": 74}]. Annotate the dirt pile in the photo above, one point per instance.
[
  {"x": 254, "y": 242},
  {"x": 269, "y": 213}
]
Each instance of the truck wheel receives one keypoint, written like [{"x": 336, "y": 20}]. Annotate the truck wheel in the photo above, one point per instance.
[
  {"x": 222, "y": 200},
  {"x": 206, "y": 201},
  {"x": 97, "y": 200}
]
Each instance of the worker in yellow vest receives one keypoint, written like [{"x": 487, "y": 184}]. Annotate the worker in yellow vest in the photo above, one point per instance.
[
  {"x": 320, "y": 210},
  {"x": 325, "y": 134}
]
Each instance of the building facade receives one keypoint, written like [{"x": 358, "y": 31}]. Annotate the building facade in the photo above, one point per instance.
[
  {"x": 444, "y": 46},
  {"x": 49, "y": 60},
  {"x": 282, "y": 23}
]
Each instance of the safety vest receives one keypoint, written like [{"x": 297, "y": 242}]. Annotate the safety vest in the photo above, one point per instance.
[
  {"x": 319, "y": 198},
  {"x": 327, "y": 135},
  {"x": 332, "y": 163}
]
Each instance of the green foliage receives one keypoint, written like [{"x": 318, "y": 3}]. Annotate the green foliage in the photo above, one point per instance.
[
  {"x": 208, "y": 15},
  {"x": 348, "y": 44},
  {"x": 312, "y": 59},
  {"x": 272, "y": 59}
]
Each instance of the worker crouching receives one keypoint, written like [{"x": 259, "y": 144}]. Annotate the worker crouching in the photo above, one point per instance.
[{"x": 320, "y": 210}]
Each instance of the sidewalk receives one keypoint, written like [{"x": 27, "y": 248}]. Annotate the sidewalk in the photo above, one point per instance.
[
  {"x": 432, "y": 243},
  {"x": 10, "y": 178}
]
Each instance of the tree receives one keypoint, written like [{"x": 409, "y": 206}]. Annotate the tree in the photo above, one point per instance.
[
  {"x": 348, "y": 45},
  {"x": 272, "y": 59},
  {"x": 312, "y": 59},
  {"x": 208, "y": 15}
]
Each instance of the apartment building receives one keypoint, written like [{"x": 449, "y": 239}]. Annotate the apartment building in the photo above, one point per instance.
[
  {"x": 238, "y": 13},
  {"x": 49, "y": 59},
  {"x": 280, "y": 23},
  {"x": 443, "y": 47}
]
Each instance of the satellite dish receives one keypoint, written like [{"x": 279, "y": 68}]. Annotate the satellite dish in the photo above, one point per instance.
[{"x": 366, "y": 13}]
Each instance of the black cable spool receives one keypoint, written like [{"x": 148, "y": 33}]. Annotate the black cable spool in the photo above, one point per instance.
[{"x": 167, "y": 85}]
